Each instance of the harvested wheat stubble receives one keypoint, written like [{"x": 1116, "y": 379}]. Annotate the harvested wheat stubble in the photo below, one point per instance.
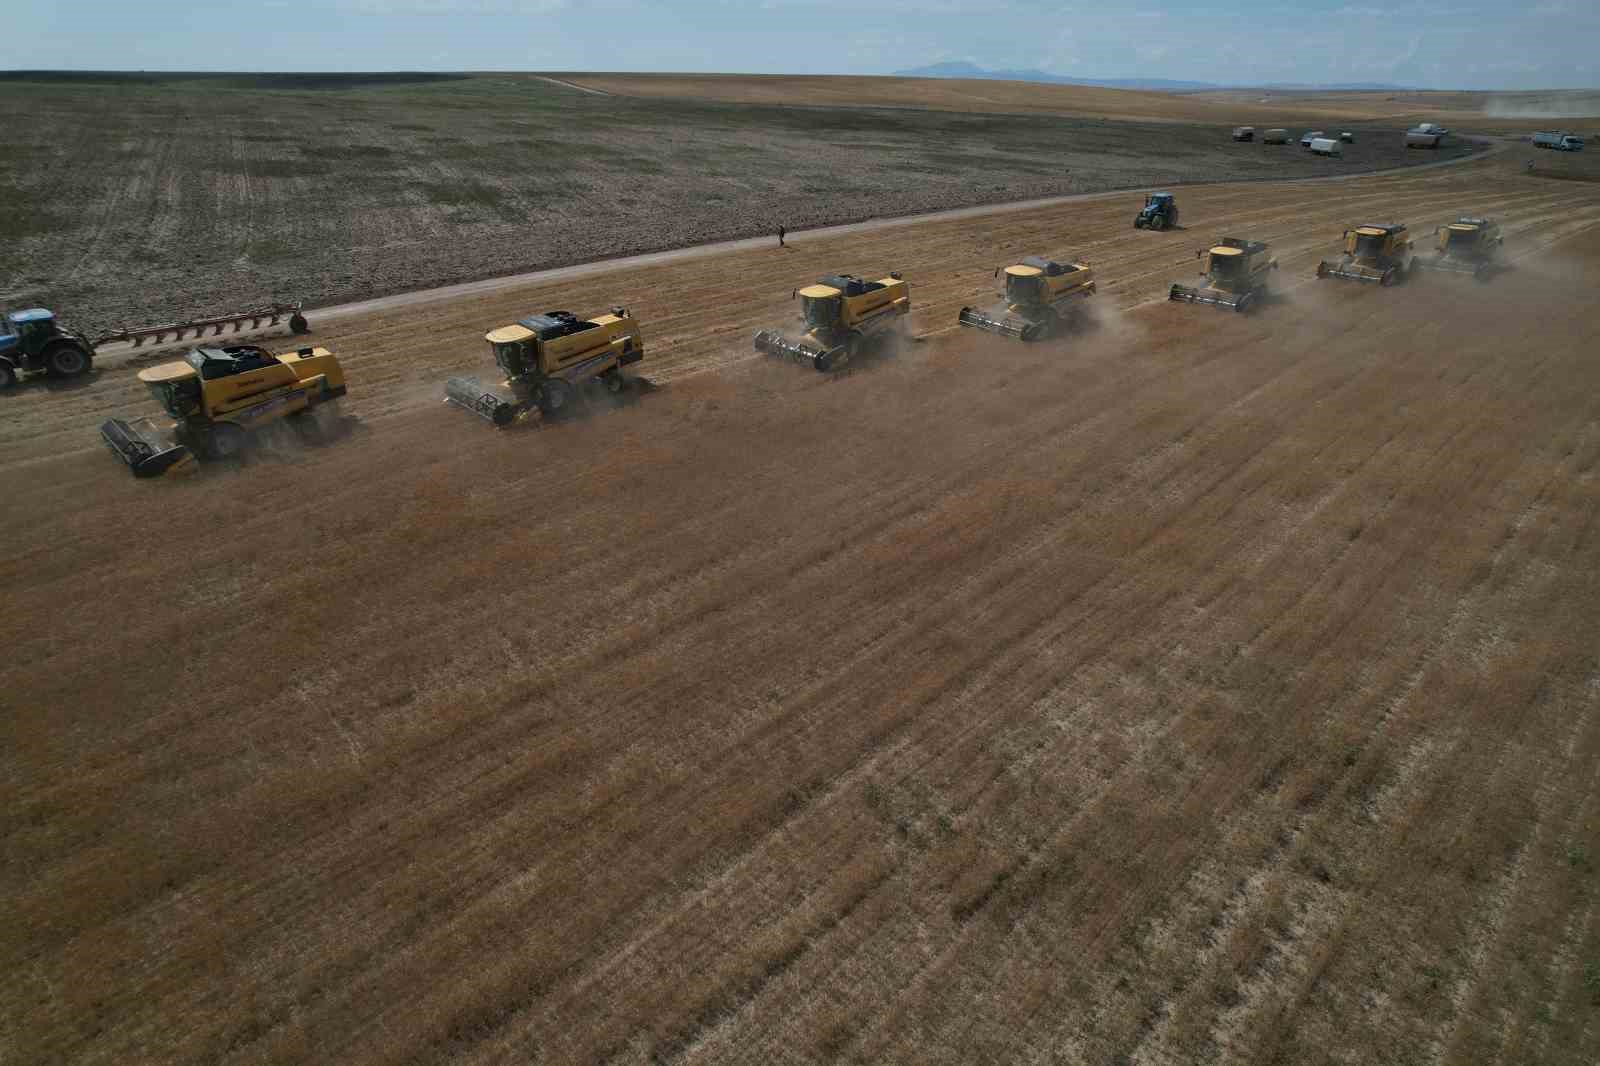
[{"x": 1206, "y": 686}]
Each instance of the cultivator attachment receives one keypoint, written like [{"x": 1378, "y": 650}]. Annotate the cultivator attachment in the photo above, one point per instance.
[
  {"x": 493, "y": 407},
  {"x": 141, "y": 445},
  {"x": 1357, "y": 272},
  {"x": 769, "y": 342},
  {"x": 1015, "y": 328},
  {"x": 267, "y": 317},
  {"x": 1234, "y": 301}
]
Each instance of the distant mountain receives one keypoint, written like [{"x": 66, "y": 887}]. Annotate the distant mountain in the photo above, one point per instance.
[{"x": 961, "y": 69}]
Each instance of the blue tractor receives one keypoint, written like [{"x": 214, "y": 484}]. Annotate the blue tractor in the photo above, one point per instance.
[
  {"x": 34, "y": 342},
  {"x": 1160, "y": 212}
]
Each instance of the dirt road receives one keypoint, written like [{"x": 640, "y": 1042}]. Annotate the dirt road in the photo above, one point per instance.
[{"x": 1204, "y": 687}]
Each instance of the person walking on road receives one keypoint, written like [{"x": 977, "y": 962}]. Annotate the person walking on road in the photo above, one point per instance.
[{"x": 781, "y": 232}]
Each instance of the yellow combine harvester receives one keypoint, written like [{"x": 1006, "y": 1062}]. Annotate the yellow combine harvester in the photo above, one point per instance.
[
  {"x": 1236, "y": 275},
  {"x": 1041, "y": 297},
  {"x": 1380, "y": 254},
  {"x": 841, "y": 314},
  {"x": 217, "y": 397},
  {"x": 547, "y": 358},
  {"x": 1469, "y": 245}
]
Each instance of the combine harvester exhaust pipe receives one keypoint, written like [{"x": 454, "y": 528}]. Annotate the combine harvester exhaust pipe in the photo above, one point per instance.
[
  {"x": 770, "y": 343},
  {"x": 489, "y": 405},
  {"x": 1005, "y": 327},
  {"x": 141, "y": 447}
]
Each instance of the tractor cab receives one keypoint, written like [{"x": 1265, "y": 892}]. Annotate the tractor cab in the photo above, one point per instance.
[
  {"x": 1159, "y": 199},
  {"x": 28, "y": 330}
]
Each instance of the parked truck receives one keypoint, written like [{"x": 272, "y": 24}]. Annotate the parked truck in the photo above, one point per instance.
[{"x": 1559, "y": 142}]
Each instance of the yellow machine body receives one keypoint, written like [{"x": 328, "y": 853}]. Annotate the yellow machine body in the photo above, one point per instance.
[
  {"x": 546, "y": 358},
  {"x": 1236, "y": 275},
  {"x": 1041, "y": 296},
  {"x": 216, "y": 396},
  {"x": 1380, "y": 254},
  {"x": 840, "y": 315}
]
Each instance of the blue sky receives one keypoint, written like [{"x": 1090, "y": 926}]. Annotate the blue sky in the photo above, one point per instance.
[{"x": 1473, "y": 44}]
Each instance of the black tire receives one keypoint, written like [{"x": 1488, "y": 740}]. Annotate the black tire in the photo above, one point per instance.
[
  {"x": 1138, "y": 222},
  {"x": 67, "y": 361},
  {"x": 612, "y": 380},
  {"x": 555, "y": 396},
  {"x": 298, "y": 324},
  {"x": 8, "y": 376},
  {"x": 225, "y": 441}
]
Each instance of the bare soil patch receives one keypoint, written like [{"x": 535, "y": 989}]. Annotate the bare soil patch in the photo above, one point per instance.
[{"x": 1205, "y": 687}]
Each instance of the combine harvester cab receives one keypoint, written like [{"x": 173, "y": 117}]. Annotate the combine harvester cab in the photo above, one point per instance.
[
  {"x": 1469, "y": 245},
  {"x": 842, "y": 314},
  {"x": 1236, "y": 273},
  {"x": 1042, "y": 296},
  {"x": 547, "y": 359},
  {"x": 1378, "y": 254},
  {"x": 217, "y": 397}
]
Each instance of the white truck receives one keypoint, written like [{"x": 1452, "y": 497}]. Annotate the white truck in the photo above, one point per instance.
[{"x": 1560, "y": 142}]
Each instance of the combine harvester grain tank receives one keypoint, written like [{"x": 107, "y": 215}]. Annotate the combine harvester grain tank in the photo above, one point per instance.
[
  {"x": 841, "y": 315},
  {"x": 548, "y": 359},
  {"x": 1042, "y": 297}
]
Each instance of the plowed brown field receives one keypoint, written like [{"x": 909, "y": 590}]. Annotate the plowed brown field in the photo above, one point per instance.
[
  {"x": 1478, "y": 112},
  {"x": 1205, "y": 687}
]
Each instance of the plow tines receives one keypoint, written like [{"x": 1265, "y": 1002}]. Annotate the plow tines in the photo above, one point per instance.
[
  {"x": 1209, "y": 297},
  {"x": 470, "y": 394},
  {"x": 770, "y": 343},
  {"x": 141, "y": 446},
  {"x": 1005, "y": 327}
]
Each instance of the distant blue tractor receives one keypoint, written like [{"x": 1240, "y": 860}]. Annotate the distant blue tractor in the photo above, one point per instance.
[
  {"x": 34, "y": 342},
  {"x": 1160, "y": 212}
]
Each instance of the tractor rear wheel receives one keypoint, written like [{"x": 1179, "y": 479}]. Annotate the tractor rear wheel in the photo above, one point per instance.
[
  {"x": 8, "y": 376},
  {"x": 298, "y": 324},
  {"x": 66, "y": 361}
]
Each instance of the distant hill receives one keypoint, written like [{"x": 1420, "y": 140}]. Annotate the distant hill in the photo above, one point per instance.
[{"x": 961, "y": 69}]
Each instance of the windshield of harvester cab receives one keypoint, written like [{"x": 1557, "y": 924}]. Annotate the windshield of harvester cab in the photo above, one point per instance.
[{"x": 820, "y": 310}]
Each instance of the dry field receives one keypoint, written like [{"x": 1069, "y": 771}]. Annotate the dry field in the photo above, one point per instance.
[
  {"x": 176, "y": 195},
  {"x": 1205, "y": 688},
  {"x": 1483, "y": 112}
]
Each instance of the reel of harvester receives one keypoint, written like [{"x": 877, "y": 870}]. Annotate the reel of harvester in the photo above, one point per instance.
[
  {"x": 1017, "y": 329},
  {"x": 770, "y": 342},
  {"x": 266, "y": 317},
  {"x": 493, "y": 407},
  {"x": 1211, "y": 297},
  {"x": 1357, "y": 272},
  {"x": 141, "y": 445}
]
